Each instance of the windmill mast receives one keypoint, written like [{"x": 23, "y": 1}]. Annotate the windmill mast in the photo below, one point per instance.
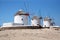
[
  {"x": 26, "y": 17},
  {"x": 25, "y": 5}
]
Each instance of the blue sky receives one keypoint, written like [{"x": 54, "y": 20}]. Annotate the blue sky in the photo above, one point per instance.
[{"x": 47, "y": 8}]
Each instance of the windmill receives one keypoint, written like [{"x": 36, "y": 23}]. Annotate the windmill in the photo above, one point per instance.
[
  {"x": 27, "y": 9},
  {"x": 52, "y": 22},
  {"x": 40, "y": 17}
]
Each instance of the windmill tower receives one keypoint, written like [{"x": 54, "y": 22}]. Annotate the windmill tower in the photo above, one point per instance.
[
  {"x": 35, "y": 21},
  {"x": 21, "y": 18},
  {"x": 47, "y": 22}
]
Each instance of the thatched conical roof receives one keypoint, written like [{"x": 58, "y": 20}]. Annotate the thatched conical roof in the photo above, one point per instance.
[{"x": 21, "y": 12}]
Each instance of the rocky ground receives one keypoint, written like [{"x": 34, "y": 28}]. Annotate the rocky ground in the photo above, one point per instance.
[{"x": 30, "y": 34}]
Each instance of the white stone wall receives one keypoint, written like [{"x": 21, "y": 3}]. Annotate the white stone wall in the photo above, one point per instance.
[{"x": 7, "y": 25}]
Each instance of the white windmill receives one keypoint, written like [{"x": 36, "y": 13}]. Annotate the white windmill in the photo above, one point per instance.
[
  {"x": 47, "y": 22},
  {"x": 21, "y": 18},
  {"x": 35, "y": 21}
]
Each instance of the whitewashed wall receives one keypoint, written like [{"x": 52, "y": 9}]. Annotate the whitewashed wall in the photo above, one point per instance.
[
  {"x": 18, "y": 19},
  {"x": 7, "y": 25},
  {"x": 46, "y": 23},
  {"x": 34, "y": 22}
]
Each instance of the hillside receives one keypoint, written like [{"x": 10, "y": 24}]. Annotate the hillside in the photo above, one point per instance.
[{"x": 30, "y": 34}]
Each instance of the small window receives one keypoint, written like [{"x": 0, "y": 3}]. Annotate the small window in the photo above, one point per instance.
[{"x": 21, "y": 19}]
